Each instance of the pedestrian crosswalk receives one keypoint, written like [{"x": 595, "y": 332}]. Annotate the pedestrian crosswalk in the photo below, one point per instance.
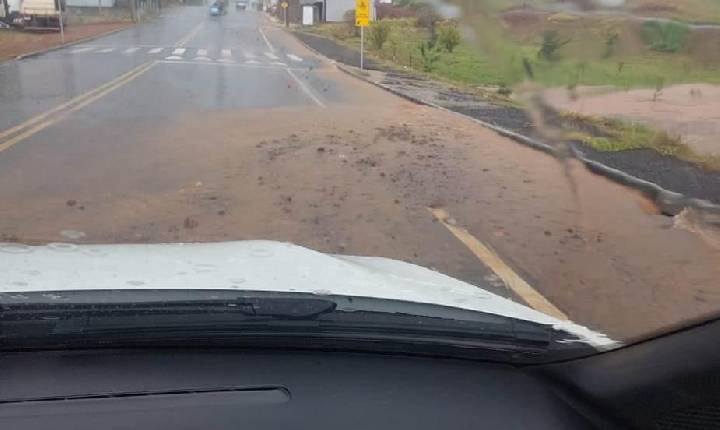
[{"x": 172, "y": 53}]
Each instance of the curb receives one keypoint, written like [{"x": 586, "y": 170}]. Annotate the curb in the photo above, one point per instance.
[
  {"x": 670, "y": 203},
  {"x": 65, "y": 45}
]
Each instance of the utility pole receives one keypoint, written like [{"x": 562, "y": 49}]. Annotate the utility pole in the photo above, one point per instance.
[{"x": 60, "y": 20}]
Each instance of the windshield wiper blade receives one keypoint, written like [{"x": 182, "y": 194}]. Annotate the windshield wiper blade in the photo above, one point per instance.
[{"x": 278, "y": 308}]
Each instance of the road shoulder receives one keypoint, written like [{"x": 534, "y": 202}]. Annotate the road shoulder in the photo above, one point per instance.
[{"x": 687, "y": 186}]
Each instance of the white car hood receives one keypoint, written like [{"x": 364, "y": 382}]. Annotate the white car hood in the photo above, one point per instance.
[{"x": 255, "y": 266}]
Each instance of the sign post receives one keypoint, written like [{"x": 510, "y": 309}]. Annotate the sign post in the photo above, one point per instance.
[
  {"x": 362, "y": 20},
  {"x": 285, "y": 5},
  {"x": 60, "y": 20}
]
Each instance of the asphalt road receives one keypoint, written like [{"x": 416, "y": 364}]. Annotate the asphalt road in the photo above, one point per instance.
[{"x": 193, "y": 128}]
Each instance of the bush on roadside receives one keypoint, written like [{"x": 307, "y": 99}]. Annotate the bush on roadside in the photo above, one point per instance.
[
  {"x": 449, "y": 37},
  {"x": 429, "y": 55},
  {"x": 379, "y": 34},
  {"x": 667, "y": 37},
  {"x": 612, "y": 35},
  {"x": 551, "y": 43}
]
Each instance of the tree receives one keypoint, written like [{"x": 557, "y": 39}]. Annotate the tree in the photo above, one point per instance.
[
  {"x": 449, "y": 37},
  {"x": 428, "y": 18},
  {"x": 379, "y": 33},
  {"x": 550, "y": 44},
  {"x": 429, "y": 55}
]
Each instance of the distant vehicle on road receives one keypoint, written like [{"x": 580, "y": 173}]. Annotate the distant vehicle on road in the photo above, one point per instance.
[
  {"x": 241, "y": 5},
  {"x": 218, "y": 7},
  {"x": 40, "y": 14}
]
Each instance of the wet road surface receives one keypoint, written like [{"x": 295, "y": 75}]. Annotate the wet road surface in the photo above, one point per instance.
[{"x": 192, "y": 128}]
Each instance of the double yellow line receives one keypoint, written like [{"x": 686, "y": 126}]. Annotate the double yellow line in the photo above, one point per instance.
[{"x": 20, "y": 132}]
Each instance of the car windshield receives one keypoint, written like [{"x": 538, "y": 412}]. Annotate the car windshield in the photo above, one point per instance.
[{"x": 525, "y": 176}]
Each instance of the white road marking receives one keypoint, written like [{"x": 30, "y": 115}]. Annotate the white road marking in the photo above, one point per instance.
[
  {"x": 106, "y": 50},
  {"x": 178, "y": 51},
  {"x": 278, "y": 63},
  {"x": 249, "y": 55},
  {"x": 294, "y": 57},
  {"x": 267, "y": 41},
  {"x": 130, "y": 50},
  {"x": 255, "y": 65},
  {"x": 174, "y": 57},
  {"x": 202, "y": 52},
  {"x": 155, "y": 50},
  {"x": 306, "y": 89},
  {"x": 271, "y": 56},
  {"x": 78, "y": 50},
  {"x": 202, "y": 59},
  {"x": 252, "y": 62},
  {"x": 226, "y": 56}
]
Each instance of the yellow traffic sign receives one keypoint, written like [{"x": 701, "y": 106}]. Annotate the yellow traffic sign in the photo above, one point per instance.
[
  {"x": 284, "y": 5},
  {"x": 362, "y": 13}
]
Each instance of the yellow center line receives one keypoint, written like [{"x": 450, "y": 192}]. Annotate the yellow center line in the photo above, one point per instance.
[
  {"x": 46, "y": 119},
  {"x": 185, "y": 39},
  {"x": 21, "y": 126},
  {"x": 511, "y": 279}
]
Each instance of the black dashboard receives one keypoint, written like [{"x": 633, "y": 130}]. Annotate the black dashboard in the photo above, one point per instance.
[
  {"x": 670, "y": 382},
  {"x": 230, "y": 389}
]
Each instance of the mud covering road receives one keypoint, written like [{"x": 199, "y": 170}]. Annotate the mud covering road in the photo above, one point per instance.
[{"x": 354, "y": 174}]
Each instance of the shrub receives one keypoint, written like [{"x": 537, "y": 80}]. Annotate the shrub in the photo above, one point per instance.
[
  {"x": 429, "y": 54},
  {"x": 550, "y": 44},
  {"x": 449, "y": 37},
  {"x": 667, "y": 37},
  {"x": 612, "y": 35},
  {"x": 379, "y": 33}
]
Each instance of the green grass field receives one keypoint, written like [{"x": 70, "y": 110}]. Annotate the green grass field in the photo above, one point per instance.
[{"x": 470, "y": 64}]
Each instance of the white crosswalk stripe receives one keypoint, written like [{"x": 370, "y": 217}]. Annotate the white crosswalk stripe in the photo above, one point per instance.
[
  {"x": 202, "y": 55},
  {"x": 222, "y": 55}
]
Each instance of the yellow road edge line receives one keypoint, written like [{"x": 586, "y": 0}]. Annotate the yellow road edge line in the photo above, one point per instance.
[
  {"x": 28, "y": 123},
  {"x": 490, "y": 258},
  {"x": 77, "y": 106}
]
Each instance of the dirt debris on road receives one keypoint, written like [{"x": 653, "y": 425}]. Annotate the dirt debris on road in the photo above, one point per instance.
[{"x": 361, "y": 184}]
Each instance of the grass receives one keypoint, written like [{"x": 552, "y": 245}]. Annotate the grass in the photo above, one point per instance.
[
  {"x": 496, "y": 60},
  {"x": 613, "y": 135},
  {"x": 468, "y": 65}
]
